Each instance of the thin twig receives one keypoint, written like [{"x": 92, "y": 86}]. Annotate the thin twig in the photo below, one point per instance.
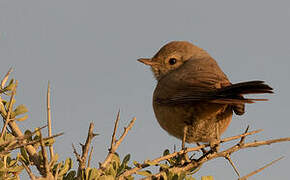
[
  {"x": 85, "y": 149},
  {"x": 90, "y": 157},
  {"x": 76, "y": 153},
  {"x": 10, "y": 105},
  {"x": 144, "y": 165},
  {"x": 115, "y": 129},
  {"x": 44, "y": 156},
  {"x": 259, "y": 170},
  {"x": 28, "y": 170},
  {"x": 206, "y": 157},
  {"x": 26, "y": 144},
  {"x": 117, "y": 143},
  {"x": 227, "y": 156},
  {"x": 20, "y": 138},
  {"x": 232, "y": 164},
  {"x": 233, "y": 149},
  {"x": 57, "y": 171},
  {"x": 49, "y": 119},
  {"x": 243, "y": 138}
]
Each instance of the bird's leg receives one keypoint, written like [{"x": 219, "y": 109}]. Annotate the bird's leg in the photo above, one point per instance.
[
  {"x": 214, "y": 144},
  {"x": 185, "y": 157},
  {"x": 184, "y": 137}
]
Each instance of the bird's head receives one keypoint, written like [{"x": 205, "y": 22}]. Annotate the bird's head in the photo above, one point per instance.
[{"x": 173, "y": 55}]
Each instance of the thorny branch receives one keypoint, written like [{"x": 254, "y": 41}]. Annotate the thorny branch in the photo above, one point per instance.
[
  {"x": 85, "y": 150},
  {"x": 116, "y": 143},
  {"x": 22, "y": 143},
  {"x": 209, "y": 156},
  {"x": 259, "y": 170},
  {"x": 10, "y": 106},
  {"x": 163, "y": 158},
  {"x": 49, "y": 119}
]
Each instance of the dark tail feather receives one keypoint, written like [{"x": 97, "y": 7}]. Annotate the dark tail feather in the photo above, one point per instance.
[{"x": 233, "y": 94}]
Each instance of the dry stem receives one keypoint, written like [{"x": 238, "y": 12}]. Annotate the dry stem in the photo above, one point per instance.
[
  {"x": 162, "y": 158},
  {"x": 259, "y": 170},
  {"x": 10, "y": 106},
  {"x": 196, "y": 163},
  {"x": 116, "y": 143},
  {"x": 49, "y": 119},
  {"x": 85, "y": 150}
]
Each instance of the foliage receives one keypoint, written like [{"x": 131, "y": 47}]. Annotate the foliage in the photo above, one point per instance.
[{"x": 21, "y": 151}]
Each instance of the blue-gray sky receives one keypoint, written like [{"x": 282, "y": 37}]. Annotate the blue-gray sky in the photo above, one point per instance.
[{"x": 88, "y": 51}]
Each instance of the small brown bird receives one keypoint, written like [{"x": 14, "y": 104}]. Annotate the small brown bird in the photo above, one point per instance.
[{"x": 194, "y": 99}]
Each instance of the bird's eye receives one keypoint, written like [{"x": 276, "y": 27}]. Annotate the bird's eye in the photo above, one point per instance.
[{"x": 172, "y": 61}]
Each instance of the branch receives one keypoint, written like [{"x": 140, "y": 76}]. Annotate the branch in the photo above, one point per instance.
[
  {"x": 85, "y": 150},
  {"x": 49, "y": 119},
  {"x": 196, "y": 163},
  {"x": 28, "y": 170},
  {"x": 10, "y": 105},
  {"x": 20, "y": 138},
  {"x": 259, "y": 170},
  {"x": 44, "y": 156},
  {"x": 17, "y": 132},
  {"x": 214, "y": 155},
  {"x": 90, "y": 157},
  {"x": 116, "y": 143},
  {"x": 157, "y": 160}
]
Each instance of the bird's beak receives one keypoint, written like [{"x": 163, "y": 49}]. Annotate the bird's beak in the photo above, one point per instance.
[{"x": 147, "y": 61}]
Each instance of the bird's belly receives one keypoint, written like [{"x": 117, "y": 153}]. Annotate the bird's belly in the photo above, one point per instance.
[{"x": 205, "y": 121}]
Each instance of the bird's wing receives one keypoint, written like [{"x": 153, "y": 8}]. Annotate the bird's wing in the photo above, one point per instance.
[{"x": 185, "y": 86}]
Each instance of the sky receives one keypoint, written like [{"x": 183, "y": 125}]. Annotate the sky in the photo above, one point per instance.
[{"x": 88, "y": 50}]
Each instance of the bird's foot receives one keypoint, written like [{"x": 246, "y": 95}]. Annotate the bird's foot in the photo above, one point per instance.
[
  {"x": 204, "y": 151},
  {"x": 214, "y": 145}
]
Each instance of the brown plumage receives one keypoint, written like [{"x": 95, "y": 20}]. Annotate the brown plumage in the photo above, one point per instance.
[{"x": 193, "y": 91}]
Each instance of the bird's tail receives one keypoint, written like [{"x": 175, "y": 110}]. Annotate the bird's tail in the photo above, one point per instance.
[{"x": 233, "y": 94}]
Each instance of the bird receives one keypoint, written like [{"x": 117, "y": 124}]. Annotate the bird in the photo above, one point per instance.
[{"x": 194, "y": 100}]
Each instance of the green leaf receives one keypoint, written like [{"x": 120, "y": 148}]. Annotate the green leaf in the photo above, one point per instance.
[
  {"x": 123, "y": 166},
  {"x": 28, "y": 134},
  {"x": 66, "y": 167},
  {"x": 53, "y": 160},
  {"x": 111, "y": 171},
  {"x": 24, "y": 155},
  {"x": 166, "y": 152},
  {"x": 12, "y": 162},
  {"x": 115, "y": 158},
  {"x": 49, "y": 142},
  {"x": 175, "y": 177},
  {"x": 69, "y": 176},
  {"x": 94, "y": 174},
  {"x": 21, "y": 109},
  {"x": 2, "y": 109},
  {"x": 126, "y": 159},
  {"x": 10, "y": 86}
]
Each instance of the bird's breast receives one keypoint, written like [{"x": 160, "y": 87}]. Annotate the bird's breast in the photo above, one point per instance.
[{"x": 204, "y": 120}]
